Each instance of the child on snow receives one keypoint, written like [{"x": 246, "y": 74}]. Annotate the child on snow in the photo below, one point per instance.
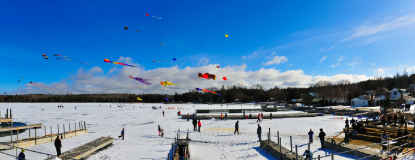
[{"x": 122, "y": 134}]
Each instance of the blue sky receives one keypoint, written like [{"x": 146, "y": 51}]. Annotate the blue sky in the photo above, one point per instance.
[{"x": 327, "y": 38}]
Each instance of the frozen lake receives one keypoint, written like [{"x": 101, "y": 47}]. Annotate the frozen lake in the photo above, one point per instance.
[{"x": 140, "y": 122}]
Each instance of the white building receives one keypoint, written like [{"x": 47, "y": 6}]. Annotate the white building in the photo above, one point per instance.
[
  {"x": 360, "y": 102},
  {"x": 395, "y": 94},
  {"x": 409, "y": 99}
]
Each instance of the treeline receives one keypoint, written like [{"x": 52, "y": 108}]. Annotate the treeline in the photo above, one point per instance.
[{"x": 323, "y": 91}]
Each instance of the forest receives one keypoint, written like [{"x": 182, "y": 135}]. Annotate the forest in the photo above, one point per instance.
[{"x": 323, "y": 91}]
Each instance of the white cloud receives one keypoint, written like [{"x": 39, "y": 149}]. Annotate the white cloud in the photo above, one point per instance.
[
  {"x": 254, "y": 54},
  {"x": 338, "y": 63},
  {"x": 276, "y": 60},
  {"x": 392, "y": 71},
  {"x": 373, "y": 29},
  {"x": 322, "y": 59},
  {"x": 91, "y": 81},
  {"x": 380, "y": 72}
]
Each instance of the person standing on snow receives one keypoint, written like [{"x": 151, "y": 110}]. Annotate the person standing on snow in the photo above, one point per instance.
[
  {"x": 347, "y": 123},
  {"x": 58, "y": 146},
  {"x": 258, "y": 118},
  {"x": 236, "y": 128},
  {"x": 160, "y": 131},
  {"x": 310, "y": 136},
  {"x": 199, "y": 124},
  {"x": 321, "y": 135},
  {"x": 308, "y": 155},
  {"x": 259, "y": 132},
  {"x": 194, "y": 122},
  {"x": 21, "y": 156},
  {"x": 122, "y": 134}
]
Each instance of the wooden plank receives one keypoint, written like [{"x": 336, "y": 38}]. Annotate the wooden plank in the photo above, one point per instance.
[
  {"x": 90, "y": 152},
  {"x": 87, "y": 149},
  {"x": 29, "y": 142},
  {"x": 277, "y": 151},
  {"x": 7, "y": 129},
  {"x": 5, "y": 120}
]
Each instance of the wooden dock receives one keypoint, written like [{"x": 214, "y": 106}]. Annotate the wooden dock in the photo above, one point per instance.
[
  {"x": 5, "y": 120},
  {"x": 86, "y": 150},
  {"x": 276, "y": 150},
  {"x": 32, "y": 141},
  {"x": 253, "y": 116},
  {"x": 355, "y": 147},
  {"x": 32, "y": 126}
]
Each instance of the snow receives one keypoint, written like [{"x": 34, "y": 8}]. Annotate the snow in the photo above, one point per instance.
[{"x": 216, "y": 140}]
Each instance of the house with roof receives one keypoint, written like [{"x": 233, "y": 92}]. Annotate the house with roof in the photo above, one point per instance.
[
  {"x": 395, "y": 94},
  {"x": 361, "y": 101}
]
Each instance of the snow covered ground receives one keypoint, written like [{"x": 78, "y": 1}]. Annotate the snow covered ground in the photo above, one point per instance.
[{"x": 216, "y": 140}]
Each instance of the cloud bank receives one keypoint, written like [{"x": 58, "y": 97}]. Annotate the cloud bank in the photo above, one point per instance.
[
  {"x": 96, "y": 80},
  {"x": 276, "y": 60}
]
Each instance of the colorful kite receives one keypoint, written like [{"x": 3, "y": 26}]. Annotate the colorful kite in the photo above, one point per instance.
[
  {"x": 224, "y": 78},
  {"x": 218, "y": 66},
  {"x": 119, "y": 63},
  {"x": 142, "y": 80},
  {"x": 61, "y": 57},
  {"x": 207, "y": 76},
  {"x": 45, "y": 56},
  {"x": 206, "y": 91},
  {"x": 154, "y": 17},
  {"x": 126, "y": 28},
  {"x": 226, "y": 35},
  {"x": 139, "y": 99},
  {"x": 166, "y": 83}
]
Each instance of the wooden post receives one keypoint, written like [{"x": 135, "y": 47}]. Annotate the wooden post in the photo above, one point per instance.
[
  {"x": 51, "y": 134},
  {"x": 278, "y": 136},
  {"x": 269, "y": 135},
  {"x": 332, "y": 156},
  {"x": 291, "y": 143},
  {"x": 69, "y": 126},
  {"x": 11, "y": 138},
  {"x": 11, "y": 131},
  {"x": 35, "y": 136},
  {"x": 29, "y": 133},
  {"x": 84, "y": 125},
  {"x": 63, "y": 126},
  {"x": 296, "y": 152},
  {"x": 281, "y": 155},
  {"x": 45, "y": 131},
  {"x": 17, "y": 135}
]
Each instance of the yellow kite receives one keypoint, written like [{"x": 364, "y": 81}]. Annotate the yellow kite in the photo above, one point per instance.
[
  {"x": 139, "y": 99},
  {"x": 166, "y": 83}
]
